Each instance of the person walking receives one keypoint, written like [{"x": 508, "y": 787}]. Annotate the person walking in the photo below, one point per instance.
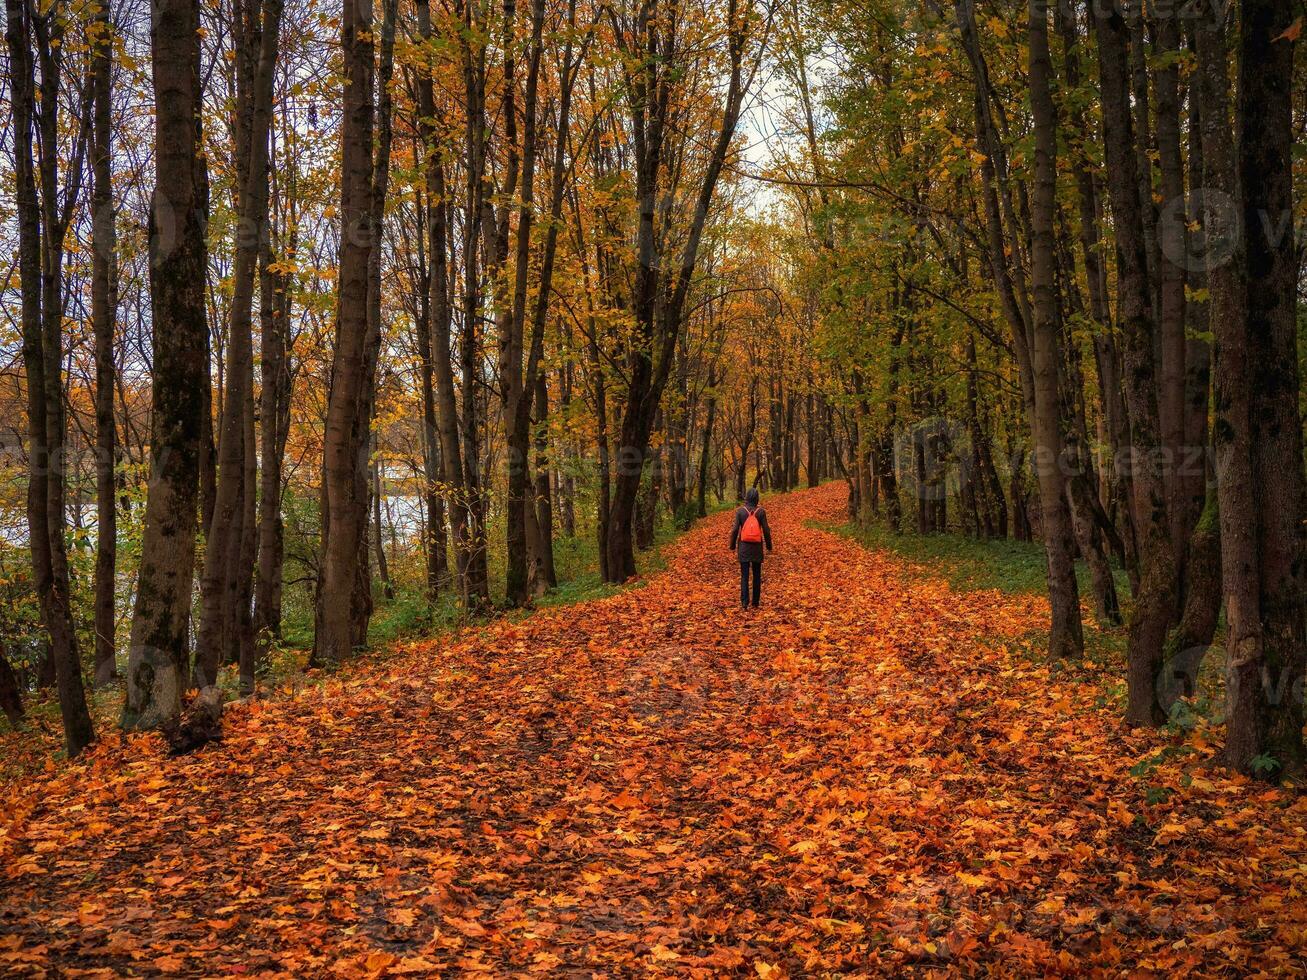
[{"x": 748, "y": 535}]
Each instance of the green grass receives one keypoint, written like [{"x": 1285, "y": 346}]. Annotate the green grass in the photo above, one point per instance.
[
  {"x": 971, "y": 564},
  {"x": 968, "y": 564}
]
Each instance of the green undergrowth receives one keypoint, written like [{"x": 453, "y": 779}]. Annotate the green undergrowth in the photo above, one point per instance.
[{"x": 972, "y": 564}]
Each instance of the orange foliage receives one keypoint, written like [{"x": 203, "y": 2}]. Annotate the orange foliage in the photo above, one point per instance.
[{"x": 849, "y": 780}]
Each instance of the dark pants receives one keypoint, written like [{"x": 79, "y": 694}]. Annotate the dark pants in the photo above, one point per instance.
[{"x": 744, "y": 582}]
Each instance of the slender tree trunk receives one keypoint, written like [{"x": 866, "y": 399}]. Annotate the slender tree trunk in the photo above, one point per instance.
[
  {"x": 378, "y": 542},
  {"x": 1004, "y": 240},
  {"x": 478, "y": 231},
  {"x": 1066, "y": 638},
  {"x": 1232, "y": 435},
  {"x": 1195, "y": 462},
  {"x": 104, "y": 304},
  {"x": 601, "y": 439},
  {"x": 246, "y": 555},
  {"x": 348, "y": 395},
  {"x": 544, "y": 575},
  {"x": 566, "y": 478},
  {"x": 451, "y": 458},
  {"x": 1172, "y": 235},
  {"x": 158, "y": 654},
  {"x": 364, "y": 441},
  {"x": 709, "y": 421},
  {"x": 274, "y": 407},
  {"x": 514, "y": 390},
  {"x": 433, "y": 502},
  {"x": 1155, "y": 602},
  {"x": 223, "y": 582}
]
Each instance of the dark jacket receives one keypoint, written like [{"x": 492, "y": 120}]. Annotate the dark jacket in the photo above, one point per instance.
[{"x": 749, "y": 550}]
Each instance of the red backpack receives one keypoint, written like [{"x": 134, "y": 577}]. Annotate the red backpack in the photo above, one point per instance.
[{"x": 751, "y": 531}]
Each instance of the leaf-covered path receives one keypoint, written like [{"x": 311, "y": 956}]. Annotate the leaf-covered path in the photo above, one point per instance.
[{"x": 860, "y": 778}]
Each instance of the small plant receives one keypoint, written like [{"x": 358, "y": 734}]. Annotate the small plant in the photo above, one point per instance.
[{"x": 1264, "y": 765}]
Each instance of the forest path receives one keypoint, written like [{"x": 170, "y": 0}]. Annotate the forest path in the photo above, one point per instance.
[{"x": 860, "y": 778}]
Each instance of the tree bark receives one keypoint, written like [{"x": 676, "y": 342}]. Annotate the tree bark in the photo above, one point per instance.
[
  {"x": 1066, "y": 638},
  {"x": 364, "y": 443},
  {"x": 378, "y": 542},
  {"x": 104, "y": 304},
  {"x": 438, "y": 280},
  {"x": 1155, "y": 603},
  {"x": 342, "y": 511},
  {"x": 1231, "y": 427},
  {"x": 1188, "y": 641},
  {"x": 710, "y": 418},
  {"x": 1265, "y": 681},
  {"x": 437, "y": 567},
  {"x": 246, "y": 554},
  {"x": 1172, "y": 236},
  {"x": 274, "y": 411},
  {"x": 158, "y": 654},
  {"x": 543, "y": 574},
  {"x": 225, "y": 580},
  {"x": 11, "y": 695},
  {"x": 516, "y": 389}
]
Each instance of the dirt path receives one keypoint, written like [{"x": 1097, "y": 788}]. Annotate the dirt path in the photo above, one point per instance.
[{"x": 857, "y": 779}]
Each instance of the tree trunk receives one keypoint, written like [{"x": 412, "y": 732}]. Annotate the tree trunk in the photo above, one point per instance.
[
  {"x": 11, "y": 695},
  {"x": 1172, "y": 236},
  {"x": 223, "y": 582},
  {"x": 706, "y": 449},
  {"x": 1155, "y": 602},
  {"x": 1187, "y": 643},
  {"x": 245, "y": 556},
  {"x": 478, "y": 230},
  {"x": 104, "y": 304},
  {"x": 1265, "y": 679},
  {"x": 515, "y": 392},
  {"x": 274, "y": 409},
  {"x": 566, "y": 477},
  {"x": 437, "y": 566},
  {"x": 1232, "y": 434},
  {"x": 364, "y": 442},
  {"x": 543, "y": 574},
  {"x": 1195, "y": 466},
  {"x": 383, "y": 566},
  {"x": 1005, "y": 248},
  {"x": 451, "y": 457},
  {"x": 1066, "y": 638},
  {"x": 343, "y": 512},
  {"x": 159, "y": 647}
]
